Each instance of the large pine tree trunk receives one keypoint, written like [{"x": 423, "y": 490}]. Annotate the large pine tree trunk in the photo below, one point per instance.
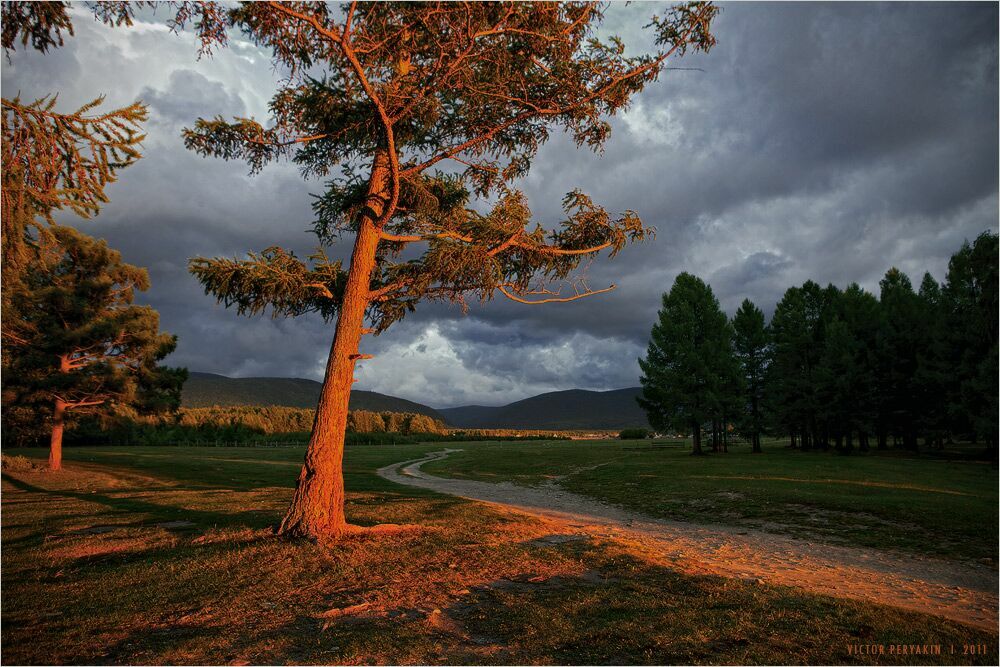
[
  {"x": 317, "y": 508},
  {"x": 55, "y": 441}
]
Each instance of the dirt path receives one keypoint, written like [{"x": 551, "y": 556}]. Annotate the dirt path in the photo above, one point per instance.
[{"x": 962, "y": 591}]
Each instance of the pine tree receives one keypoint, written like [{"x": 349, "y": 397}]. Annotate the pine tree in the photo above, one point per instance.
[
  {"x": 971, "y": 304},
  {"x": 828, "y": 422},
  {"x": 930, "y": 381},
  {"x": 796, "y": 335},
  {"x": 688, "y": 361},
  {"x": 858, "y": 315},
  {"x": 898, "y": 341},
  {"x": 89, "y": 349},
  {"x": 834, "y": 375},
  {"x": 423, "y": 106},
  {"x": 751, "y": 347},
  {"x": 783, "y": 376}
]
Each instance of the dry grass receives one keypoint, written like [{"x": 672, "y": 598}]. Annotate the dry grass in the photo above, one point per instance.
[
  {"x": 18, "y": 463},
  {"x": 172, "y": 560}
]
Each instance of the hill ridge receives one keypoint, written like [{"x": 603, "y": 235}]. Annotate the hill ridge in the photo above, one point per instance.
[
  {"x": 565, "y": 409},
  {"x": 204, "y": 390}
]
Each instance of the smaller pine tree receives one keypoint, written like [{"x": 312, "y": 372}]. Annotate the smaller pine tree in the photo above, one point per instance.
[
  {"x": 899, "y": 335},
  {"x": 686, "y": 372},
  {"x": 751, "y": 348},
  {"x": 90, "y": 350}
]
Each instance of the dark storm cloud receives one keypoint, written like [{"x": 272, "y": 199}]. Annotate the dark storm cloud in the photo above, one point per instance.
[
  {"x": 190, "y": 95},
  {"x": 818, "y": 141},
  {"x": 839, "y": 137}
]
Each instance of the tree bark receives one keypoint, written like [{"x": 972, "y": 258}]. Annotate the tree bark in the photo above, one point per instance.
[
  {"x": 55, "y": 441},
  {"x": 317, "y": 507},
  {"x": 697, "y": 440}
]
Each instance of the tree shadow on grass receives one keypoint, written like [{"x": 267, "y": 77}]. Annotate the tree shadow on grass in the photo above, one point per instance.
[
  {"x": 156, "y": 513},
  {"x": 188, "y": 641}
]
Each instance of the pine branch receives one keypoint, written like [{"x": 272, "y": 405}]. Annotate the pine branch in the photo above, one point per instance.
[
  {"x": 274, "y": 279},
  {"x": 53, "y": 161},
  {"x": 534, "y": 302}
]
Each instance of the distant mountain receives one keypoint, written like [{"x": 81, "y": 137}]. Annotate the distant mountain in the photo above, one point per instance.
[
  {"x": 204, "y": 390},
  {"x": 557, "y": 410},
  {"x": 560, "y": 410}
]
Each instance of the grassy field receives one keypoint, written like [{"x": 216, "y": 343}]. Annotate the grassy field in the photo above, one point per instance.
[
  {"x": 165, "y": 555},
  {"x": 923, "y": 505}
]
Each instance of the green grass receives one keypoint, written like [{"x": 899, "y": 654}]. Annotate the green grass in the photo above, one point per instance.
[
  {"x": 90, "y": 577},
  {"x": 923, "y": 505}
]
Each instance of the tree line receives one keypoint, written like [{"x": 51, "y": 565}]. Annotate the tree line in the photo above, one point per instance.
[
  {"x": 264, "y": 425},
  {"x": 243, "y": 423},
  {"x": 834, "y": 368}
]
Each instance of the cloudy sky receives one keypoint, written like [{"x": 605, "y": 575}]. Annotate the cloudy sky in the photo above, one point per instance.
[{"x": 822, "y": 141}]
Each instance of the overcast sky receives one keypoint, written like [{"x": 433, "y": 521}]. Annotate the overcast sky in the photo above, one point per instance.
[{"x": 822, "y": 141}]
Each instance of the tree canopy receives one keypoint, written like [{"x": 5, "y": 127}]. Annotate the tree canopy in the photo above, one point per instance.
[
  {"x": 415, "y": 86},
  {"x": 688, "y": 362}
]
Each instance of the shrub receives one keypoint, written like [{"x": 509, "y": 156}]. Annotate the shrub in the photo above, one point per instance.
[
  {"x": 18, "y": 463},
  {"x": 634, "y": 434}
]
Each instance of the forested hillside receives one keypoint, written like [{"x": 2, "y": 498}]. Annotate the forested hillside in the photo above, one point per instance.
[{"x": 203, "y": 390}]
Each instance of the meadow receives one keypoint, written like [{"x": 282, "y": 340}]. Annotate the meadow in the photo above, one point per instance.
[
  {"x": 934, "y": 503},
  {"x": 166, "y": 555}
]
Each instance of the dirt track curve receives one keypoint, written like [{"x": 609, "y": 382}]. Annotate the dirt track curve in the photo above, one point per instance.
[{"x": 961, "y": 591}]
